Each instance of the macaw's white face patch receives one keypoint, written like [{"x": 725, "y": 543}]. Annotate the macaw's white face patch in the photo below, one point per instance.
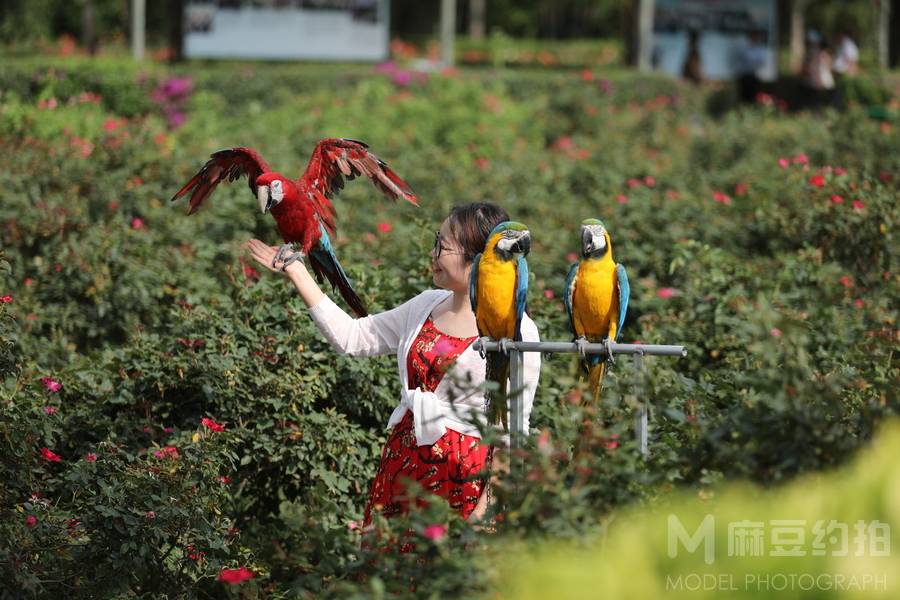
[
  {"x": 277, "y": 191},
  {"x": 593, "y": 237},
  {"x": 506, "y": 244}
]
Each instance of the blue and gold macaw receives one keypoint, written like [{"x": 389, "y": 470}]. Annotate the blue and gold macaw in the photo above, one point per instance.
[
  {"x": 596, "y": 298},
  {"x": 497, "y": 290}
]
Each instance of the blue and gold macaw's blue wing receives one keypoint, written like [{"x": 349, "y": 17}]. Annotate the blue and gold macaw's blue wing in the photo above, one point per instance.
[
  {"x": 624, "y": 294},
  {"x": 473, "y": 283},
  {"x": 569, "y": 294},
  {"x": 521, "y": 293}
]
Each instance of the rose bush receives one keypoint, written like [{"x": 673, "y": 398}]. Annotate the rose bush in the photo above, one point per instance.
[{"x": 128, "y": 323}]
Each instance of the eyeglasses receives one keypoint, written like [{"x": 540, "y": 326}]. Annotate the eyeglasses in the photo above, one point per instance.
[{"x": 439, "y": 248}]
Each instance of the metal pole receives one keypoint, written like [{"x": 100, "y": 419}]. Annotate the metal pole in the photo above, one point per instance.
[
  {"x": 448, "y": 31},
  {"x": 138, "y": 20},
  {"x": 571, "y": 347},
  {"x": 517, "y": 415},
  {"x": 517, "y": 412},
  {"x": 640, "y": 417},
  {"x": 516, "y": 354}
]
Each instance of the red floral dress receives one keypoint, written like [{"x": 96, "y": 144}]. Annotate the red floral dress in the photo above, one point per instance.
[{"x": 448, "y": 467}]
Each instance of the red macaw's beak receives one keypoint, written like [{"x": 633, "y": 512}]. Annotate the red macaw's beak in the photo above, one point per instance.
[{"x": 264, "y": 198}]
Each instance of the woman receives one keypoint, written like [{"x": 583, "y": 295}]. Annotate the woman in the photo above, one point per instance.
[{"x": 433, "y": 440}]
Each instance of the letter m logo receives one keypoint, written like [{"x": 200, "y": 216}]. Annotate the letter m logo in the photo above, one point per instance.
[{"x": 705, "y": 533}]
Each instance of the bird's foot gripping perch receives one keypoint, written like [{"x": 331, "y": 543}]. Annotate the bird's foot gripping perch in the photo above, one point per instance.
[
  {"x": 581, "y": 343},
  {"x": 503, "y": 344},
  {"x": 287, "y": 255},
  {"x": 609, "y": 353},
  {"x": 481, "y": 342}
]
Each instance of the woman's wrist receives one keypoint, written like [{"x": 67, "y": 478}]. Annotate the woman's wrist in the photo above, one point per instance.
[
  {"x": 305, "y": 284},
  {"x": 296, "y": 271}
]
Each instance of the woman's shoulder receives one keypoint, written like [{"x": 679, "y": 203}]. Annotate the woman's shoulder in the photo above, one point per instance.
[
  {"x": 425, "y": 298},
  {"x": 429, "y": 295}
]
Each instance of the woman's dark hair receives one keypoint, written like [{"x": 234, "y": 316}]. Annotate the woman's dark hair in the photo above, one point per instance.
[{"x": 471, "y": 224}]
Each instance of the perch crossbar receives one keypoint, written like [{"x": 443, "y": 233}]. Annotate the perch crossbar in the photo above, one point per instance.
[{"x": 516, "y": 374}]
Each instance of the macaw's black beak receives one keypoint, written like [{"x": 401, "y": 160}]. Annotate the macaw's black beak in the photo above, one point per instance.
[
  {"x": 587, "y": 241},
  {"x": 523, "y": 244},
  {"x": 593, "y": 243}
]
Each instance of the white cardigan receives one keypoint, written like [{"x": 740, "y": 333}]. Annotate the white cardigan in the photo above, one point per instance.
[{"x": 448, "y": 407}]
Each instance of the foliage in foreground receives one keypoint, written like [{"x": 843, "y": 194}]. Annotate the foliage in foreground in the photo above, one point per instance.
[{"x": 829, "y": 535}]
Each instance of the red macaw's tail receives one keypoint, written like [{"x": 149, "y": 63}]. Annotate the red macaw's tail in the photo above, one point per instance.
[
  {"x": 325, "y": 264},
  {"x": 337, "y": 158},
  {"x": 497, "y": 369},
  {"x": 595, "y": 379}
]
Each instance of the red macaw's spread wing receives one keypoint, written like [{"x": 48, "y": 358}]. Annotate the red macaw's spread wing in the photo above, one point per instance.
[
  {"x": 336, "y": 158},
  {"x": 224, "y": 164}
]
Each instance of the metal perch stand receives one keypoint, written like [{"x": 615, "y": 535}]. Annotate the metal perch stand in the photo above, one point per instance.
[{"x": 516, "y": 350}]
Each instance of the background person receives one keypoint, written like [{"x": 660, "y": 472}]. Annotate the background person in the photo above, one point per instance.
[
  {"x": 751, "y": 59},
  {"x": 818, "y": 79},
  {"x": 693, "y": 66}
]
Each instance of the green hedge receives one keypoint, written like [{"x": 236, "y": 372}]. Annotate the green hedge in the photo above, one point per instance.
[{"x": 779, "y": 280}]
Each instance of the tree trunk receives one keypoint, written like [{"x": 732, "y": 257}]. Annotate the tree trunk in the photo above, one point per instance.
[
  {"x": 88, "y": 27},
  {"x": 138, "y": 28},
  {"x": 644, "y": 34},
  {"x": 176, "y": 30},
  {"x": 628, "y": 27},
  {"x": 884, "y": 33},
  {"x": 476, "y": 19},
  {"x": 895, "y": 34},
  {"x": 448, "y": 31},
  {"x": 797, "y": 34}
]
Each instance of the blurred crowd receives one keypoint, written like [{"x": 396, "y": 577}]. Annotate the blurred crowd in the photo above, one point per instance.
[{"x": 825, "y": 63}]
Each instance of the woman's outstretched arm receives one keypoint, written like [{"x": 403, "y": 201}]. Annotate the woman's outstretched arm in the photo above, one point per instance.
[
  {"x": 296, "y": 272},
  {"x": 370, "y": 336}
]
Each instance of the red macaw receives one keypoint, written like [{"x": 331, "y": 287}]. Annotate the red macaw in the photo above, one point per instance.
[{"x": 302, "y": 208}]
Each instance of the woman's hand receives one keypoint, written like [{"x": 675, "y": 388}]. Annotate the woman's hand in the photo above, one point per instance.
[{"x": 265, "y": 254}]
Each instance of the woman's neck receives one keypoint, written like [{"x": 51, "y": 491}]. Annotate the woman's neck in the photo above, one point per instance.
[{"x": 460, "y": 303}]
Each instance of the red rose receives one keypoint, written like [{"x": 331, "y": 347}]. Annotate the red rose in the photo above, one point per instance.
[
  {"x": 235, "y": 576},
  {"x": 50, "y": 455},
  {"x": 210, "y": 424}
]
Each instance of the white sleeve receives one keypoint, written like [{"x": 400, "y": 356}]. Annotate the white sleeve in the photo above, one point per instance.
[
  {"x": 532, "y": 368},
  {"x": 369, "y": 336}
]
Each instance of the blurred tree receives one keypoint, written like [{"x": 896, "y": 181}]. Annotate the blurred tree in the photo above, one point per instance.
[
  {"x": 176, "y": 29},
  {"x": 88, "y": 27},
  {"x": 525, "y": 18},
  {"x": 25, "y": 19},
  {"x": 476, "y": 19},
  {"x": 895, "y": 34}
]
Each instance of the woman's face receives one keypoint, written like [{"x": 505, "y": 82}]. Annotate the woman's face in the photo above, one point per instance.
[{"x": 450, "y": 269}]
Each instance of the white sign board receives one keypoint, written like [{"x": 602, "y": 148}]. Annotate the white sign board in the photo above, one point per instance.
[
  {"x": 723, "y": 30},
  {"x": 287, "y": 29}
]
